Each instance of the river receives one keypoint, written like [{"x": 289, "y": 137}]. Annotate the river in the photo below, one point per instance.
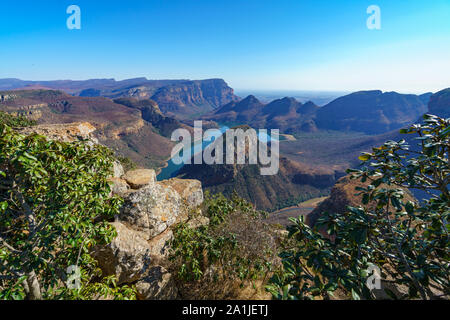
[{"x": 171, "y": 170}]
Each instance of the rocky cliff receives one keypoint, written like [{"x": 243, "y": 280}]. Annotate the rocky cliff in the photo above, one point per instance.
[
  {"x": 130, "y": 131},
  {"x": 176, "y": 98},
  {"x": 138, "y": 255},
  {"x": 191, "y": 98}
]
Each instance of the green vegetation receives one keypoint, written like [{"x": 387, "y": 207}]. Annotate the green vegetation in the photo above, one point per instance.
[
  {"x": 127, "y": 163},
  {"x": 54, "y": 207},
  {"x": 15, "y": 122},
  {"x": 407, "y": 241},
  {"x": 293, "y": 201},
  {"x": 234, "y": 247}
]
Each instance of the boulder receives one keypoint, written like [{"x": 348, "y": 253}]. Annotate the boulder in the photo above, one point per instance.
[
  {"x": 140, "y": 178},
  {"x": 127, "y": 256},
  {"x": 157, "y": 285},
  {"x": 159, "y": 245},
  {"x": 152, "y": 209},
  {"x": 118, "y": 186},
  {"x": 118, "y": 169},
  {"x": 190, "y": 190}
]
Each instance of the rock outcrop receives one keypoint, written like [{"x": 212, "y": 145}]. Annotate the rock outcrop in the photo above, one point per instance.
[
  {"x": 343, "y": 194},
  {"x": 140, "y": 177},
  {"x": 127, "y": 256},
  {"x": 139, "y": 253},
  {"x": 67, "y": 132}
]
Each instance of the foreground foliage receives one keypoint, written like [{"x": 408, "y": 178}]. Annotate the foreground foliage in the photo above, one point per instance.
[
  {"x": 54, "y": 206},
  {"x": 236, "y": 246},
  {"x": 407, "y": 241}
]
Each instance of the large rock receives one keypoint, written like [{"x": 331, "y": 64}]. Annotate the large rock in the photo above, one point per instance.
[
  {"x": 66, "y": 132},
  {"x": 190, "y": 190},
  {"x": 159, "y": 245},
  {"x": 118, "y": 186},
  {"x": 152, "y": 209},
  {"x": 118, "y": 169},
  {"x": 157, "y": 285},
  {"x": 127, "y": 256},
  {"x": 140, "y": 177}
]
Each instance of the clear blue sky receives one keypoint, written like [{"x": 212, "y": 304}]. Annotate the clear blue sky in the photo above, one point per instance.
[{"x": 252, "y": 44}]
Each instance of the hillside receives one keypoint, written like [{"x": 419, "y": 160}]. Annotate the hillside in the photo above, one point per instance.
[
  {"x": 371, "y": 112},
  {"x": 120, "y": 127},
  {"x": 286, "y": 114},
  {"x": 176, "y": 98},
  {"x": 294, "y": 182},
  {"x": 440, "y": 103},
  {"x": 151, "y": 112}
]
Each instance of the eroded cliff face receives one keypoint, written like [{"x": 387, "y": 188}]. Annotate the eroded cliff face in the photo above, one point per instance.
[
  {"x": 139, "y": 253},
  {"x": 193, "y": 97},
  {"x": 119, "y": 127},
  {"x": 294, "y": 182}
]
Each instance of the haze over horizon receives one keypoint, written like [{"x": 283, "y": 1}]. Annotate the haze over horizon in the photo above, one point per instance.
[{"x": 253, "y": 45}]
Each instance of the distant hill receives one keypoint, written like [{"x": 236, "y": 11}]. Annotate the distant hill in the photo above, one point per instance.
[
  {"x": 176, "y": 98},
  {"x": 286, "y": 114},
  {"x": 440, "y": 103},
  {"x": 371, "y": 112},
  {"x": 120, "y": 127}
]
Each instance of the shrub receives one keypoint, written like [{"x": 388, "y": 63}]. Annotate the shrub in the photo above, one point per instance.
[
  {"x": 54, "y": 206},
  {"x": 216, "y": 260},
  {"x": 407, "y": 241},
  {"x": 15, "y": 122}
]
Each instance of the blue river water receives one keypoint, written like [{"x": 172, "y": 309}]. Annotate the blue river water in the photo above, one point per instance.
[{"x": 171, "y": 170}]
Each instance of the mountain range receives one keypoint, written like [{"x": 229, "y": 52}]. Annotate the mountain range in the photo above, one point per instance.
[
  {"x": 136, "y": 117},
  {"x": 369, "y": 112},
  {"x": 177, "y": 98}
]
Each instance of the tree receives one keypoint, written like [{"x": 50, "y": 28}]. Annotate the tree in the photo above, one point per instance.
[
  {"x": 408, "y": 241},
  {"x": 54, "y": 206}
]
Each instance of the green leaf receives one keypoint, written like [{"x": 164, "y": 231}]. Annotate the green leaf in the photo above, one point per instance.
[{"x": 355, "y": 295}]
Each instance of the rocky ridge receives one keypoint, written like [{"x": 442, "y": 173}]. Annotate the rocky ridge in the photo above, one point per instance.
[{"x": 138, "y": 255}]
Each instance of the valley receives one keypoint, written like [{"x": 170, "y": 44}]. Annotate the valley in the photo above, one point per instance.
[{"x": 136, "y": 118}]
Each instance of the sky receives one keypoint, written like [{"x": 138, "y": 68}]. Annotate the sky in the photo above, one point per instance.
[{"x": 252, "y": 44}]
